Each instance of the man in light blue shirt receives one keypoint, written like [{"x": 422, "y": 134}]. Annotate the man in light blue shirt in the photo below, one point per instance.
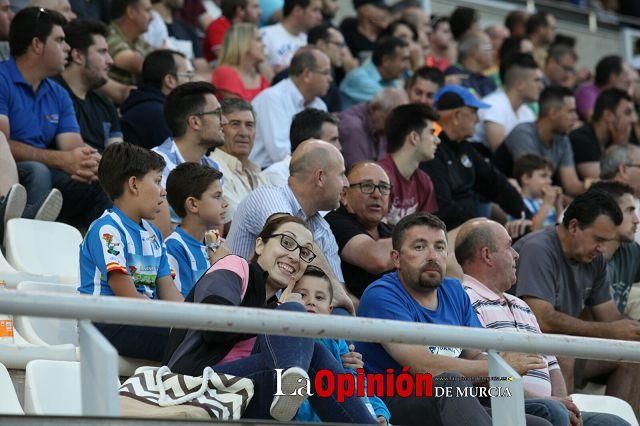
[{"x": 389, "y": 61}]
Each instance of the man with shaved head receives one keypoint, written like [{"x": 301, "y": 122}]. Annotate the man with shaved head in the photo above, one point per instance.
[
  {"x": 364, "y": 241},
  {"x": 316, "y": 179}
]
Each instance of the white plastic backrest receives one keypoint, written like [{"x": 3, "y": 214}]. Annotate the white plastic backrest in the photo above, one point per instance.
[
  {"x": 5, "y": 267},
  {"x": 9, "y": 403},
  {"x": 605, "y": 404},
  {"x": 47, "y": 331},
  {"x": 44, "y": 248},
  {"x": 53, "y": 388}
]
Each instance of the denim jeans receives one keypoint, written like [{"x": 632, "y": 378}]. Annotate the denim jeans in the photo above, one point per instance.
[
  {"x": 271, "y": 352},
  {"x": 550, "y": 409},
  {"x": 35, "y": 177},
  {"x": 602, "y": 419}
]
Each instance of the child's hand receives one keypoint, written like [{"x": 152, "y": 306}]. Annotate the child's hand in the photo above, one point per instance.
[
  {"x": 288, "y": 295},
  {"x": 352, "y": 359},
  {"x": 550, "y": 195},
  {"x": 382, "y": 421}
]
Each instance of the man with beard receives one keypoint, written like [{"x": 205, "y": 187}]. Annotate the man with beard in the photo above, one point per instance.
[
  {"x": 195, "y": 119},
  {"x": 86, "y": 70},
  {"x": 419, "y": 292}
]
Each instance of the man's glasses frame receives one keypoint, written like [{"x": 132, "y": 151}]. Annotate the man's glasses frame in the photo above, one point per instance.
[{"x": 370, "y": 187}]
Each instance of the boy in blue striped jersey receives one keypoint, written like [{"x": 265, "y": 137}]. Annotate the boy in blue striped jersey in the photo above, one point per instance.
[{"x": 194, "y": 192}]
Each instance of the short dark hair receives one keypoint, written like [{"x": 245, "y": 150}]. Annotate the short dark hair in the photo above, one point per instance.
[
  {"x": 183, "y": 101},
  {"x": 587, "y": 207},
  {"x": 537, "y": 21},
  {"x": 303, "y": 59},
  {"x": 189, "y": 180},
  {"x": 613, "y": 188},
  {"x": 515, "y": 18},
  {"x": 564, "y": 40},
  {"x": 405, "y": 119},
  {"x": 121, "y": 161},
  {"x": 229, "y": 7},
  {"x": 436, "y": 21},
  {"x": 272, "y": 224},
  {"x": 319, "y": 32},
  {"x": 119, "y": 7},
  {"x": 157, "y": 65},
  {"x": 553, "y": 96},
  {"x": 606, "y": 67},
  {"x": 307, "y": 124},
  {"x": 512, "y": 64},
  {"x": 529, "y": 163},
  {"x": 388, "y": 32},
  {"x": 461, "y": 20},
  {"x": 230, "y": 105},
  {"x": 510, "y": 46},
  {"x": 431, "y": 74},
  {"x": 557, "y": 51},
  {"x": 467, "y": 245},
  {"x": 314, "y": 271},
  {"x": 608, "y": 100},
  {"x": 30, "y": 23},
  {"x": 289, "y": 5},
  {"x": 79, "y": 34},
  {"x": 386, "y": 46},
  {"x": 411, "y": 220}
]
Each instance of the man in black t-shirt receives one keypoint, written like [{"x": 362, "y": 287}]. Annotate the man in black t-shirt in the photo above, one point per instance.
[
  {"x": 364, "y": 241},
  {"x": 361, "y": 33},
  {"x": 86, "y": 71}
]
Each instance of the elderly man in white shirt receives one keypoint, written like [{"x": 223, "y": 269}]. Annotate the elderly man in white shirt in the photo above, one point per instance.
[{"x": 310, "y": 77}]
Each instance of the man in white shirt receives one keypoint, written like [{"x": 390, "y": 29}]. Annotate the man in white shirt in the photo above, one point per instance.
[
  {"x": 310, "y": 77},
  {"x": 521, "y": 83},
  {"x": 283, "y": 39}
]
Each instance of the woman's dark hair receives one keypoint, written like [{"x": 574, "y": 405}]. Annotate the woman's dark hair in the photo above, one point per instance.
[{"x": 272, "y": 224}]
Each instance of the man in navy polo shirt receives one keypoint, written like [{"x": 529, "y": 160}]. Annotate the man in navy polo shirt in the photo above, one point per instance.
[{"x": 37, "y": 116}]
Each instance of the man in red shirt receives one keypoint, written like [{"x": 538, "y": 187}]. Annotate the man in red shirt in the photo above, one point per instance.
[{"x": 233, "y": 11}]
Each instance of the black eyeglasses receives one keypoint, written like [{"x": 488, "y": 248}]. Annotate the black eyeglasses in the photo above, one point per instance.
[
  {"x": 288, "y": 243},
  {"x": 632, "y": 165},
  {"x": 217, "y": 111},
  {"x": 370, "y": 187}
]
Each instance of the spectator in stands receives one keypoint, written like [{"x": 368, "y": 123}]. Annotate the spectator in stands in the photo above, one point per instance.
[
  {"x": 283, "y": 39},
  {"x": 560, "y": 67},
  {"x": 233, "y": 12},
  {"x": 475, "y": 56},
  {"x": 611, "y": 72},
  {"x": 512, "y": 45},
  {"x": 483, "y": 248},
  {"x": 87, "y": 70},
  {"x": 423, "y": 85},
  {"x": 196, "y": 14},
  {"x": 283, "y": 249},
  {"x": 241, "y": 175},
  {"x": 130, "y": 19},
  {"x": 497, "y": 34},
  {"x": 516, "y": 23},
  {"x": 522, "y": 83},
  {"x": 411, "y": 140},
  {"x": 405, "y": 30},
  {"x": 543, "y": 200},
  {"x": 464, "y": 20},
  {"x": 317, "y": 178},
  {"x": 414, "y": 13},
  {"x": 362, "y": 126},
  {"x": 195, "y": 118},
  {"x": 63, "y": 7},
  {"x": 310, "y": 77},
  {"x": 237, "y": 74},
  {"x": 459, "y": 173},
  {"x": 547, "y": 137},
  {"x": 364, "y": 240},
  {"x": 42, "y": 130},
  {"x": 181, "y": 35},
  {"x": 541, "y": 30},
  {"x": 562, "y": 270},
  {"x": 14, "y": 196},
  {"x": 96, "y": 10},
  {"x": 142, "y": 119},
  {"x": 611, "y": 124},
  {"x": 361, "y": 33},
  {"x": 6, "y": 15},
  {"x": 390, "y": 59},
  {"x": 419, "y": 292},
  {"x": 309, "y": 123},
  {"x": 440, "y": 40},
  {"x": 621, "y": 163},
  {"x": 123, "y": 254},
  {"x": 194, "y": 192},
  {"x": 329, "y": 10}
]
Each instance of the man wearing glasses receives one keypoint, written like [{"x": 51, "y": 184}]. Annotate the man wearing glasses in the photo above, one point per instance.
[{"x": 364, "y": 240}]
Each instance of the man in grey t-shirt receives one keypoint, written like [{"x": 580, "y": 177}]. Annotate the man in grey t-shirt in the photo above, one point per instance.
[
  {"x": 547, "y": 137},
  {"x": 562, "y": 271}
]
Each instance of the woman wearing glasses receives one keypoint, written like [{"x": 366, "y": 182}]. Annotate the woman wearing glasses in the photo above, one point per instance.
[
  {"x": 283, "y": 250},
  {"x": 242, "y": 71}
]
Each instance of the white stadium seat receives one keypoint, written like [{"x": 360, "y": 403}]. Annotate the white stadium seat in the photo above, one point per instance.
[
  {"x": 605, "y": 404},
  {"x": 52, "y": 388},
  {"x": 9, "y": 403}
]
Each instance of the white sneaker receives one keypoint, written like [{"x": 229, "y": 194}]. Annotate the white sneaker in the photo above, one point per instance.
[
  {"x": 285, "y": 407},
  {"x": 50, "y": 208},
  {"x": 12, "y": 205}
]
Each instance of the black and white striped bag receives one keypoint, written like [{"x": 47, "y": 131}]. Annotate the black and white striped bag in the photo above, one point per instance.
[{"x": 148, "y": 392}]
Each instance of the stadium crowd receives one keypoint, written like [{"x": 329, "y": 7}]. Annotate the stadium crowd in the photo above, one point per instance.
[{"x": 394, "y": 165}]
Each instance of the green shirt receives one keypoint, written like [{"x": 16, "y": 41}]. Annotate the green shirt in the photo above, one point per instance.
[
  {"x": 623, "y": 270},
  {"x": 118, "y": 43}
]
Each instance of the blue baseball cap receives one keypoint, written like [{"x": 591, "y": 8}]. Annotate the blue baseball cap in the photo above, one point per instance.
[{"x": 453, "y": 96}]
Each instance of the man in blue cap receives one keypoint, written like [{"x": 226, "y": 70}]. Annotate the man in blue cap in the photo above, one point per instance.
[{"x": 460, "y": 174}]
